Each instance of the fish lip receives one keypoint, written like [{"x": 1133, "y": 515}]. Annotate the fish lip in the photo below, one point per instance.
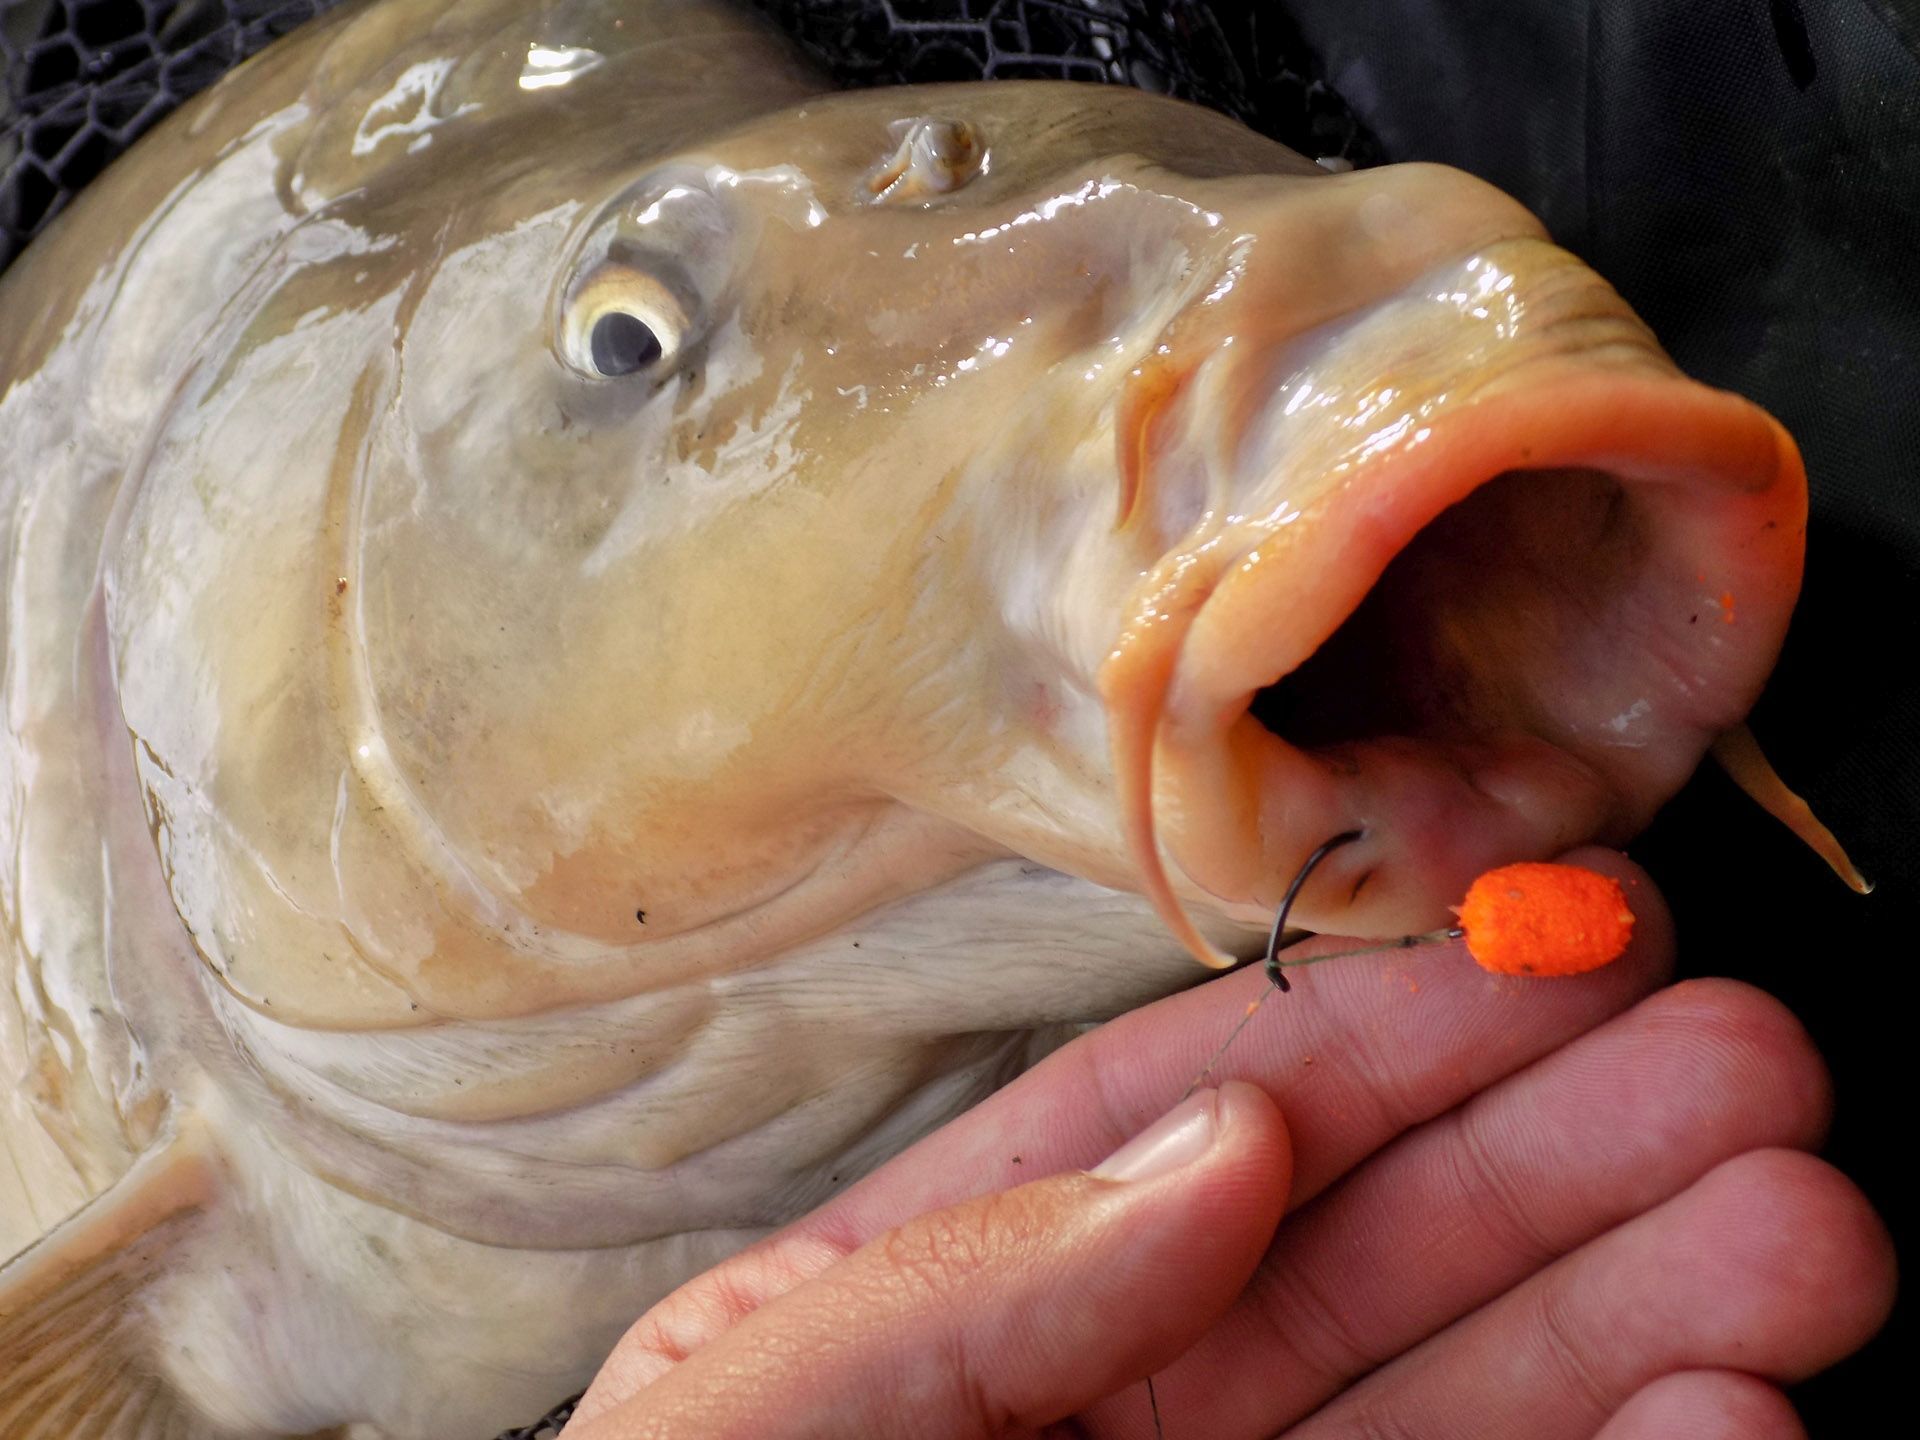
[{"x": 1237, "y": 807}]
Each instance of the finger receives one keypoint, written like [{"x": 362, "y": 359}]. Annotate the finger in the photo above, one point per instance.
[
  {"x": 1468, "y": 1206},
  {"x": 1706, "y": 1405},
  {"x": 1773, "y": 1264},
  {"x": 1002, "y": 1314},
  {"x": 1358, "y": 1052}
]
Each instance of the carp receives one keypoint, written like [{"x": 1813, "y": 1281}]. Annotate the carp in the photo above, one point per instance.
[{"x": 597, "y": 637}]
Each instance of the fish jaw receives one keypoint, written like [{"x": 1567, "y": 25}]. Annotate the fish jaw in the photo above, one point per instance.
[{"x": 1472, "y": 569}]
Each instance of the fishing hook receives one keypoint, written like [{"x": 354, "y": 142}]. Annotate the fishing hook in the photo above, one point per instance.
[{"x": 1275, "y": 944}]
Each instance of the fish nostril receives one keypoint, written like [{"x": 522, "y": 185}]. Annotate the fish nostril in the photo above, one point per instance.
[{"x": 933, "y": 157}]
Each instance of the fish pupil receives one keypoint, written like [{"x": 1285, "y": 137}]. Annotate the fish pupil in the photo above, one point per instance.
[{"x": 623, "y": 343}]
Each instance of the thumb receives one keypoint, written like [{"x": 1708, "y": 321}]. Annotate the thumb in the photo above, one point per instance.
[{"x": 1006, "y": 1312}]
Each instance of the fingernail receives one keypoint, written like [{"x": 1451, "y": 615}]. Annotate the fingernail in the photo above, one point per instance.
[{"x": 1177, "y": 1138}]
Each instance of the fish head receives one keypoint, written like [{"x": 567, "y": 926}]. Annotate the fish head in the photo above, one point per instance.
[
  {"x": 712, "y": 557},
  {"x": 721, "y": 542},
  {"x": 1159, "y": 496},
  {"x": 786, "y": 491}
]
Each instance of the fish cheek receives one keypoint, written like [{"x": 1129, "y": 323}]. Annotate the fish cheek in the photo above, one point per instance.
[
  {"x": 225, "y": 618},
  {"x": 618, "y": 727}
]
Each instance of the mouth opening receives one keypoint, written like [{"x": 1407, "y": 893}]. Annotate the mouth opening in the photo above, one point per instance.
[
  {"x": 1474, "y": 627},
  {"x": 1540, "y": 610},
  {"x": 1543, "y": 654}
]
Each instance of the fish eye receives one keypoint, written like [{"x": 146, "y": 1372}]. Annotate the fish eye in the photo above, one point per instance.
[
  {"x": 623, "y": 343},
  {"x": 622, "y": 320}
]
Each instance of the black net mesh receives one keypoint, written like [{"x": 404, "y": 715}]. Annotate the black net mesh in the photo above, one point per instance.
[
  {"x": 81, "y": 80},
  {"x": 546, "y": 1428},
  {"x": 1243, "y": 57}
]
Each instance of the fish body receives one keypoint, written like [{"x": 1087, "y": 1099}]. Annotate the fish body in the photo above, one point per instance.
[{"x": 596, "y": 638}]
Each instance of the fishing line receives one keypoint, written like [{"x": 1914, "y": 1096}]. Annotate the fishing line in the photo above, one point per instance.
[
  {"x": 1276, "y": 942},
  {"x": 1523, "y": 919},
  {"x": 1276, "y": 974}
]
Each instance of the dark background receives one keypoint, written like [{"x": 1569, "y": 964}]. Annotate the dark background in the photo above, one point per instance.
[{"x": 1747, "y": 172}]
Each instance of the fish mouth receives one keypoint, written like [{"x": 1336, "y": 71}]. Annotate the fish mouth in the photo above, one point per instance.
[{"x": 1513, "y": 629}]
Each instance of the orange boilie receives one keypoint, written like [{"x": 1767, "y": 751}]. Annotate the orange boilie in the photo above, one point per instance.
[{"x": 1541, "y": 919}]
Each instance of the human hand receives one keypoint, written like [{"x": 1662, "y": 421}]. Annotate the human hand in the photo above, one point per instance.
[{"x": 1541, "y": 1209}]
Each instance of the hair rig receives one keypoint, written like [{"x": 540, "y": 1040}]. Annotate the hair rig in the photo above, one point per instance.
[{"x": 1527, "y": 919}]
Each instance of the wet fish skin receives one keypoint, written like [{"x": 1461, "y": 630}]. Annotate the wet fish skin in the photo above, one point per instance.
[{"x": 488, "y": 839}]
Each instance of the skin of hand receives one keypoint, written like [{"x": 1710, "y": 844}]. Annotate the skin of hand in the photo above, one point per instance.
[{"x": 1512, "y": 1208}]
